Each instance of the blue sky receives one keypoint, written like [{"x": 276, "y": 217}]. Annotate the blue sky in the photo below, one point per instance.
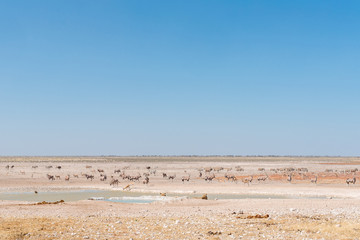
[{"x": 179, "y": 77}]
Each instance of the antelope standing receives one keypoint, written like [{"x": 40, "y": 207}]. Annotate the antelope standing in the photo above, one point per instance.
[
  {"x": 113, "y": 182},
  {"x": 289, "y": 178},
  {"x": 50, "y": 177},
  {"x": 210, "y": 178},
  {"x": 247, "y": 180},
  {"x": 103, "y": 177},
  {"x": 351, "y": 180},
  {"x": 91, "y": 177},
  {"x": 146, "y": 181},
  {"x": 262, "y": 178},
  {"x": 314, "y": 180},
  {"x": 172, "y": 177},
  {"x": 185, "y": 178}
]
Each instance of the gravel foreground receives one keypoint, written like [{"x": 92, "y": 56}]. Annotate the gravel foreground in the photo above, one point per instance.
[{"x": 185, "y": 219}]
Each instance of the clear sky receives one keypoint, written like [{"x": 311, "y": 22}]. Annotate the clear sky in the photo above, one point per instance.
[{"x": 179, "y": 77}]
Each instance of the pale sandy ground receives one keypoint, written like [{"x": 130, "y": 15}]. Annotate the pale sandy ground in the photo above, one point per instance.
[{"x": 335, "y": 216}]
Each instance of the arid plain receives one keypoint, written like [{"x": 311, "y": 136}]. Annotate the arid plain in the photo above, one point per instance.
[{"x": 248, "y": 198}]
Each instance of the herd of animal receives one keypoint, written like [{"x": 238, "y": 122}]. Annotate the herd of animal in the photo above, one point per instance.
[{"x": 208, "y": 174}]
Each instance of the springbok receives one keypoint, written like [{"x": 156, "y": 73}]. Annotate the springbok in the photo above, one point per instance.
[
  {"x": 67, "y": 177},
  {"x": 351, "y": 180},
  {"x": 91, "y": 177},
  {"x": 239, "y": 169},
  {"x": 231, "y": 177},
  {"x": 210, "y": 177},
  {"x": 314, "y": 180},
  {"x": 113, "y": 182},
  {"x": 146, "y": 181},
  {"x": 247, "y": 180},
  {"x": 185, "y": 178},
  {"x": 262, "y": 178},
  {"x": 172, "y": 177},
  {"x": 50, "y": 177},
  {"x": 103, "y": 177},
  {"x": 289, "y": 178}
]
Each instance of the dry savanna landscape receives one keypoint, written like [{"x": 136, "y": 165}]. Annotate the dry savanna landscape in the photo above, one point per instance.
[{"x": 188, "y": 197}]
